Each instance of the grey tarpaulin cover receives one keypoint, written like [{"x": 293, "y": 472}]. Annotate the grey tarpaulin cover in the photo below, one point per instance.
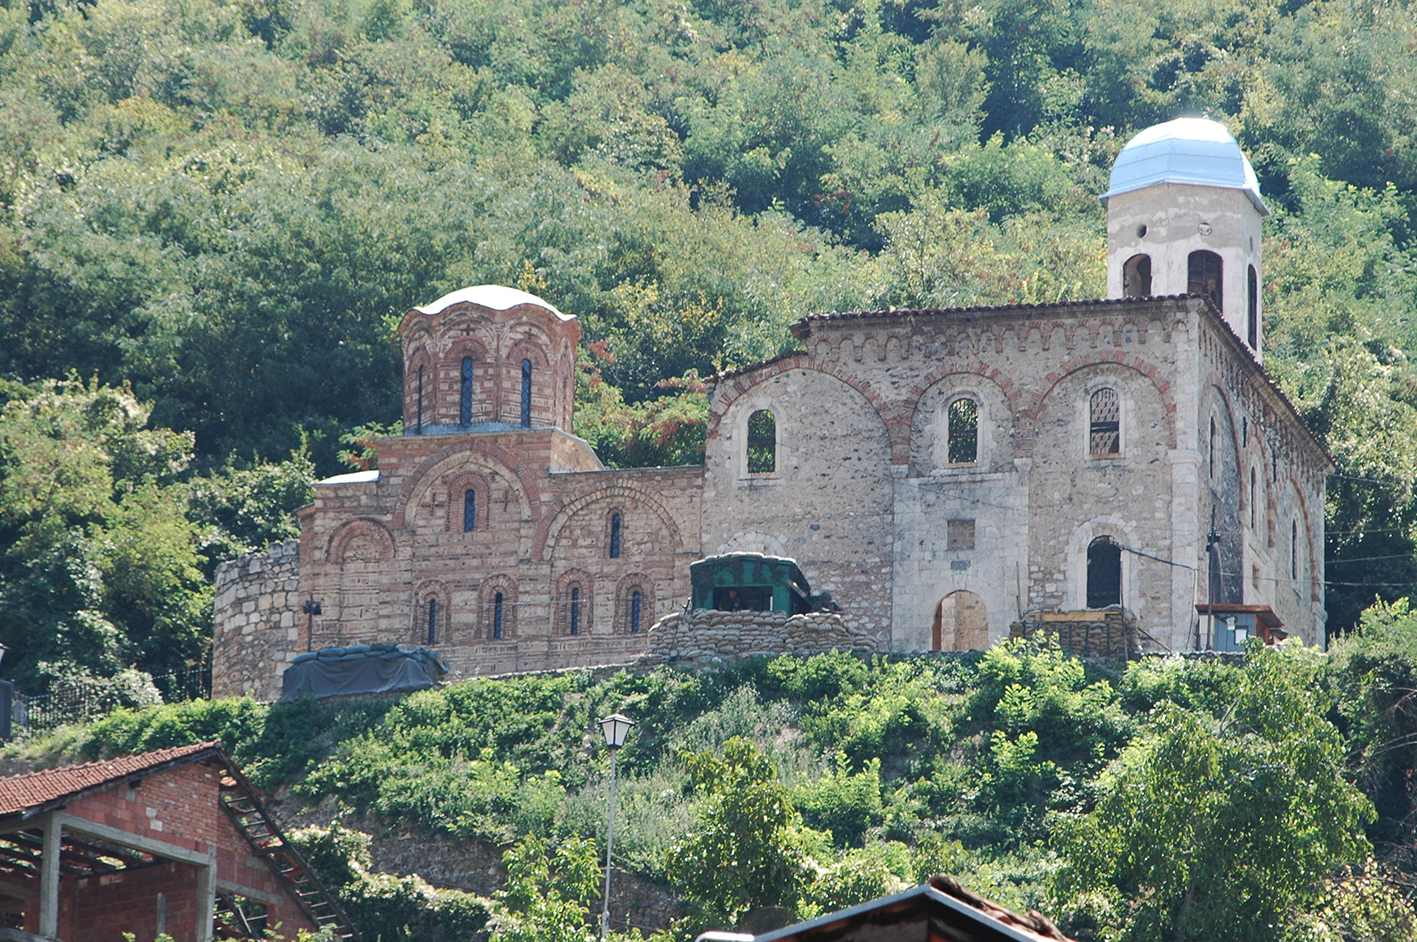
[{"x": 363, "y": 668}]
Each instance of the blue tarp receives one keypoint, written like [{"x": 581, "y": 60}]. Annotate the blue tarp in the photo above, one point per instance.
[{"x": 361, "y": 669}]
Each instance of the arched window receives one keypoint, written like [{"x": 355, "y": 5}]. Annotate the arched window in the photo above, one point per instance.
[
  {"x": 465, "y": 400},
  {"x": 1252, "y": 309},
  {"x": 497, "y": 617},
  {"x": 1204, "y": 275},
  {"x": 614, "y": 536},
  {"x": 1105, "y": 431},
  {"x": 418, "y": 421},
  {"x": 469, "y": 511},
  {"x": 432, "y": 621},
  {"x": 762, "y": 442},
  {"x": 636, "y": 605},
  {"x": 1136, "y": 277},
  {"x": 1104, "y": 573},
  {"x": 962, "y": 440},
  {"x": 575, "y": 609},
  {"x": 1211, "y": 455},
  {"x": 1294, "y": 549},
  {"x": 526, "y": 394}
]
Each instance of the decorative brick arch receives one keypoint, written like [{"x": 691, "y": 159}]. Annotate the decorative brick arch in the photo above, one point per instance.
[
  {"x": 487, "y": 603},
  {"x": 431, "y": 590},
  {"x": 458, "y": 485},
  {"x": 735, "y": 385},
  {"x": 382, "y": 536},
  {"x": 1027, "y": 418},
  {"x": 561, "y": 512},
  {"x": 449, "y": 373},
  {"x": 1213, "y": 382},
  {"x": 425, "y": 476},
  {"x": 900, "y": 443},
  {"x": 561, "y": 602},
  {"x": 636, "y": 581},
  {"x": 1307, "y": 534}
]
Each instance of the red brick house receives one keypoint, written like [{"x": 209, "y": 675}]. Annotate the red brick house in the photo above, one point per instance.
[{"x": 175, "y": 841}]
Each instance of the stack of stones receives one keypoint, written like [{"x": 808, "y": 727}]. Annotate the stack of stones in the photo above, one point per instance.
[
  {"x": 705, "y": 636},
  {"x": 1109, "y": 634},
  {"x": 259, "y": 624}
]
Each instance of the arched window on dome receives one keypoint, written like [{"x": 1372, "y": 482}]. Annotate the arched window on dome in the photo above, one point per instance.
[
  {"x": 1205, "y": 275},
  {"x": 1136, "y": 277},
  {"x": 1252, "y": 309},
  {"x": 465, "y": 396},
  {"x": 526, "y": 394}
]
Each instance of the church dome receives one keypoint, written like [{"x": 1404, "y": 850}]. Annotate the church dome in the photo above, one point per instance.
[
  {"x": 1192, "y": 151},
  {"x": 495, "y": 297}
]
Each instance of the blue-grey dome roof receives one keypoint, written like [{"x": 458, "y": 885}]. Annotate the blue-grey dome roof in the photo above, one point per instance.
[{"x": 1186, "y": 150}]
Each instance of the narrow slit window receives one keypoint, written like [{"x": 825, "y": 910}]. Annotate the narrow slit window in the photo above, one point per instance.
[
  {"x": 1294, "y": 550},
  {"x": 465, "y": 399},
  {"x": 1252, "y": 309},
  {"x": 418, "y": 421},
  {"x": 1105, "y": 435},
  {"x": 635, "y": 608},
  {"x": 1211, "y": 456},
  {"x": 575, "y": 610},
  {"x": 1104, "y": 573},
  {"x": 762, "y": 442},
  {"x": 526, "y": 394},
  {"x": 963, "y": 432},
  {"x": 497, "y": 617},
  {"x": 1204, "y": 275},
  {"x": 432, "y": 621},
  {"x": 1254, "y": 499},
  {"x": 614, "y": 536},
  {"x": 469, "y": 511}
]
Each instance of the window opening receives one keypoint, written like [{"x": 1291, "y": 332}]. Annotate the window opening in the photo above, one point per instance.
[
  {"x": 465, "y": 402},
  {"x": 1136, "y": 277},
  {"x": 959, "y": 534},
  {"x": 1104, "y": 573},
  {"x": 526, "y": 394},
  {"x": 1254, "y": 499},
  {"x": 963, "y": 440},
  {"x": 762, "y": 442},
  {"x": 1106, "y": 428},
  {"x": 1252, "y": 309},
  {"x": 1294, "y": 549},
  {"x": 418, "y": 423},
  {"x": 1204, "y": 276},
  {"x": 469, "y": 511},
  {"x": 1211, "y": 457},
  {"x": 575, "y": 610},
  {"x": 432, "y": 621},
  {"x": 615, "y": 536},
  {"x": 635, "y": 606},
  {"x": 497, "y": 617},
  {"x": 1274, "y": 468},
  {"x": 743, "y": 598},
  {"x": 1245, "y": 431}
]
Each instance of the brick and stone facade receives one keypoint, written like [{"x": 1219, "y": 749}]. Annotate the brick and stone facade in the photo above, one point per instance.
[{"x": 939, "y": 472}]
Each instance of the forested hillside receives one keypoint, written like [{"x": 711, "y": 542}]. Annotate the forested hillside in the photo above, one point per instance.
[
  {"x": 1263, "y": 802},
  {"x": 211, "y": 215}
]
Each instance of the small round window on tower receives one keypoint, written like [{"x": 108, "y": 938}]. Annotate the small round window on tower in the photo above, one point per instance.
[{"x": 1141, "y": 231}]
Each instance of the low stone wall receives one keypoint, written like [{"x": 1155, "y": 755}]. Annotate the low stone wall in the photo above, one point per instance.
[
  {"x": 1109, "y": 633},
  {"x": 258, "y": 622},
  {"x": 702, "y": 635}
]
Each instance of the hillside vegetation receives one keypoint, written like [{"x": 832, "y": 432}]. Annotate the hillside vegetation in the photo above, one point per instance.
[
  {"x": 1269, "y": 800},
  {"x": 212, "y": 214}
]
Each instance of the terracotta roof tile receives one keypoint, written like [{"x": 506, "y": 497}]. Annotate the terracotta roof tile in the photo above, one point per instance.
[{"x": 34, "y": 789}]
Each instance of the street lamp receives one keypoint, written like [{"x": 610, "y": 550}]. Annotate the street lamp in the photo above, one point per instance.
[{"x": 616, "y": 727}]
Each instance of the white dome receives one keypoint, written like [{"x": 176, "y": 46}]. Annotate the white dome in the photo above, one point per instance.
[
  {"x": 496, "y": 297},
  {"x": 1187, "y": 150}
]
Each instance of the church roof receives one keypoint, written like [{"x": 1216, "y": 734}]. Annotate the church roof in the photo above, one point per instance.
[
  {"x": 1187, "y": 150},
  {"x": 496, "y": 297}
]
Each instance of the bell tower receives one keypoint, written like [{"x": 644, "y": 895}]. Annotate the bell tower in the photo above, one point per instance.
[{"x": 1183, "y": 217}]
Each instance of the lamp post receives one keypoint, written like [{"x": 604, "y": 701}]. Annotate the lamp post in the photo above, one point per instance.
[{"x": 616, "y": 727}]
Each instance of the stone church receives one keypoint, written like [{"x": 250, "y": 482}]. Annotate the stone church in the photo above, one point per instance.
[{"x": 944, "y": 474}]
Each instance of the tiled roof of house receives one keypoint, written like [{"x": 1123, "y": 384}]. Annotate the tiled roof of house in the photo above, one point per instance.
[{"x": 34, "y": 790}]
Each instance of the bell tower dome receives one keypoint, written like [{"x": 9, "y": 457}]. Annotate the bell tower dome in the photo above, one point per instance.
[{"x": 1183, "y": 217}]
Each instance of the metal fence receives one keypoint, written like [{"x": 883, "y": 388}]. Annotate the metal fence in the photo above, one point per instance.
[{"x": 87, "y": 700}]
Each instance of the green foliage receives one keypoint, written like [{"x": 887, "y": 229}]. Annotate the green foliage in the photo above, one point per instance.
[
  {"x": 1228, "y": 827},
  {"x": 847, "y": 805},
  {"x": 548, "y": 894}
]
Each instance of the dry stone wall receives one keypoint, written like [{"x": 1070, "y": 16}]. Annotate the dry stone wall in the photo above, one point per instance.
[
  {"x": 702, "y": 636},
  {"x": 258, "y": 622}
]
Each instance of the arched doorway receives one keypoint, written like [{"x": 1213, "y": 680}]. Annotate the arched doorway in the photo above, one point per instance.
[{"x": 961, "y": 623}]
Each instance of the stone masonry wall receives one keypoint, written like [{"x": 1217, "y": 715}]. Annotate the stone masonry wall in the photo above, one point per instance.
[
  {"x": 258, "y": 624},
  {"x": 702, "y": 636}
]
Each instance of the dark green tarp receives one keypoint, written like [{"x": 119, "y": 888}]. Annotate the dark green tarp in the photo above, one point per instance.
[{"x": 361, "y": 669}]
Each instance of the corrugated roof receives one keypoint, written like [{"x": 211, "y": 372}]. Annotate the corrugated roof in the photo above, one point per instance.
[{"x": 34, "y": 790}]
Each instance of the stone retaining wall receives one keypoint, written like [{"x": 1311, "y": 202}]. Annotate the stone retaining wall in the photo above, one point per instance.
[
  {"x": 1107, "y": 633},
  {"x": 702, "y": 635},
  {"x": 259, "y": 624}
]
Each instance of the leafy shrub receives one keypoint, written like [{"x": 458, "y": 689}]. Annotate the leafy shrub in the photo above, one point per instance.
[{"x": 843, "y": 803}]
